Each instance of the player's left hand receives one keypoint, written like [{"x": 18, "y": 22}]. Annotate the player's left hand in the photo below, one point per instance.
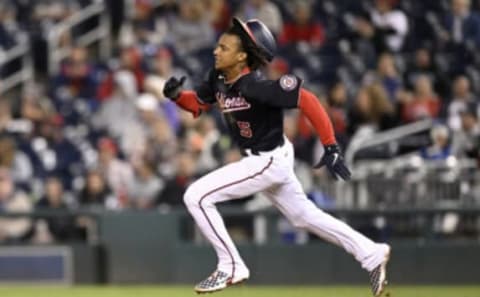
[
  {"x": 333, "y": 159},
  {"x": 173, "y": 87}
]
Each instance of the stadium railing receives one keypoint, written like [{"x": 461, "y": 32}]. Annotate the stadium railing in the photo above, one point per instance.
[
  {"x": 99, "y": 33},
  {"x": 21, "y": 72},
  {"x": 387, "y": 222},
  {"x": 411, "y": 181},
  {"x": 385, "y": 137}
]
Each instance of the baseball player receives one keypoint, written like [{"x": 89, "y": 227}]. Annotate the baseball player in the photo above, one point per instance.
[{"x": 252, "y": 107}]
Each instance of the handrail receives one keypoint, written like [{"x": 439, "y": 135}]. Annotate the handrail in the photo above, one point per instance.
[
  {"x": 101, "y": 34},
  {"x": 25, "y": 73},
  {"x": 385, "y": 137}
]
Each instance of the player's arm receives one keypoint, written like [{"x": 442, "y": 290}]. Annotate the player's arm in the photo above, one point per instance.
[
  {"x": 310, "y": 106},
  {"x": 187, "y": 100}
]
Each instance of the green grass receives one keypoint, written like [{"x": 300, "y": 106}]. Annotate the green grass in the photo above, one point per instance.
[{"x": 239, "y": 291}]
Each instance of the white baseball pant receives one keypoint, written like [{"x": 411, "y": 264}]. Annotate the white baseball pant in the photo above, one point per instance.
[{"x": 270, "y": 172}]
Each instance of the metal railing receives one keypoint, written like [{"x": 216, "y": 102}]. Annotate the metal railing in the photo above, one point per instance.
[
  {"x": 100, "y": 33},
  {"x": 24, "y": 73},
  {"x": 385, "y": 137},
  {"x": 414, "y": 182}
]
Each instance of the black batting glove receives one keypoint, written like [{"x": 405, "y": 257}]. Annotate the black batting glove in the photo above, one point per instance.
[
  {"x": 173, "y": 87},
  {"x": 333, "y": 159}
]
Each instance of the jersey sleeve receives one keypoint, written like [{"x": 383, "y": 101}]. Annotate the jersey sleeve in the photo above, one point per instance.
[
  {"x": 189, "y": 101},
  {"x": 310, "y": 106},
  {"x": 283, "y": 93},
  {"x": 205, "y": 90}
]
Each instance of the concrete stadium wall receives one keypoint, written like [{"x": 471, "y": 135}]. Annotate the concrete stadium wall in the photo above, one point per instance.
[
  {"x": 145, "y": 248},
  {"x": 140, "y": 248}
]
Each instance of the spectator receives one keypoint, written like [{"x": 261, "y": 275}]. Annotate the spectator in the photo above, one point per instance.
[
  {"x": 131, "y": 60},
  {"x": 148, "y": 111},
  {"x": 16, "y": 161},
  {"x": 422, "y": 64},
  {"x": 462, "y": 97},
  {"x": 386, "y": 28},
  {"x": 96, "y": 193},
  {"x": 164, "y": 68},
  {"x": 77, "y": 76},
  {"x": 8, "y": 27},
  {"x": 423, "y": 104},
  {"x": 146, "y": 28},
  {"x": 161, "y": 147},
  {"x": 371, "y": 108},
  {"x": 175, "y": 187},
  {"x": 118, "y": 114},
  {"x": 466, "y": 141},
  {"x": 264, "y": 10},
  {"x": 303, "y": 28},
  {"x": 441, "y": 148},
  {"x": 461, "y": 25},
  {"x": 35, "y": 106},
  {"x": 146, "y": 185},
  {"x": 209, "y": 153},
  {"x": 220, "y": 14},
  {"x": 190, "y": 30},
  {"x": 74, "y": 89},
  {"x": 61, "y": 228},
  {"x": 118, "y": 173},
  {"x": 386, "y": 74},
  {"x": 13, "y": 230},
  {"x": 337, "y": 110},
  {"x": 5, "y": 116},
  {"x": 299, "y": 132},
  {"x": 56, "y": 154}
]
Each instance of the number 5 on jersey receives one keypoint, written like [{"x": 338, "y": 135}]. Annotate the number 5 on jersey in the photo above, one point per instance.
[{"x": 245, "y": 129}]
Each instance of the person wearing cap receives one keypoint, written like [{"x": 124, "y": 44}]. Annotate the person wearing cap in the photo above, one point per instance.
[
  {"x": 253, "y": 110},
  {"x": 466, "y": 141},
  {"x": 13, "y": 200}
]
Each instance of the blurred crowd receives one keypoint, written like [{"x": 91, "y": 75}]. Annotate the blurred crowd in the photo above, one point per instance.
[{"x": 100, "y": 134}]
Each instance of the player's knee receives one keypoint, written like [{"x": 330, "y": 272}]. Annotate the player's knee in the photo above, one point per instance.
[{"x": 191, "y": 197}]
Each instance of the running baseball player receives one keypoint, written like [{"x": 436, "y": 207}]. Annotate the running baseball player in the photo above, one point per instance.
[{"x": 253, "y": 110}]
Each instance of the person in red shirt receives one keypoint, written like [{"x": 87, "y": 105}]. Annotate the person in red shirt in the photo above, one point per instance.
[
  {"x": 303, "y": 28},
  {"x": 423, "y": 104}
]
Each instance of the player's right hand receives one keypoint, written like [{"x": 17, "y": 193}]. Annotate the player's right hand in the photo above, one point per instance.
[
  {"x": 333, "y": 160},
  {"x": 173, "y": 87}
]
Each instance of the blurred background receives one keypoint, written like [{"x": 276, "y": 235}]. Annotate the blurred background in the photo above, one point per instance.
[{"x": 94, "y": 161}]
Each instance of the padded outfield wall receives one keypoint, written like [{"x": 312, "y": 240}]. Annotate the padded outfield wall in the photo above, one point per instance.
[{"x": 138, "y": 247}]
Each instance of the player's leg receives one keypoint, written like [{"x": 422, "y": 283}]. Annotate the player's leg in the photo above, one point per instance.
[
  {"x": 291, "y": 200},
  {"x": 302, "y": 213},
  {"x": 233, "y": 181}
]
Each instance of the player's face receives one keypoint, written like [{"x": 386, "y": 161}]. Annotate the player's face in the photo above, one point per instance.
[{"x": 228, "y": 52}]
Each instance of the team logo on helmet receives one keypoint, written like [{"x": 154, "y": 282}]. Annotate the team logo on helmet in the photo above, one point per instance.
[{"x": 288, "y": 82}]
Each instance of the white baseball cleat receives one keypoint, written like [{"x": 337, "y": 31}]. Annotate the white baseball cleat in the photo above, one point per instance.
[
  {"x": 378, "y": 276},
  {"x": 217, "y": 281}
]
